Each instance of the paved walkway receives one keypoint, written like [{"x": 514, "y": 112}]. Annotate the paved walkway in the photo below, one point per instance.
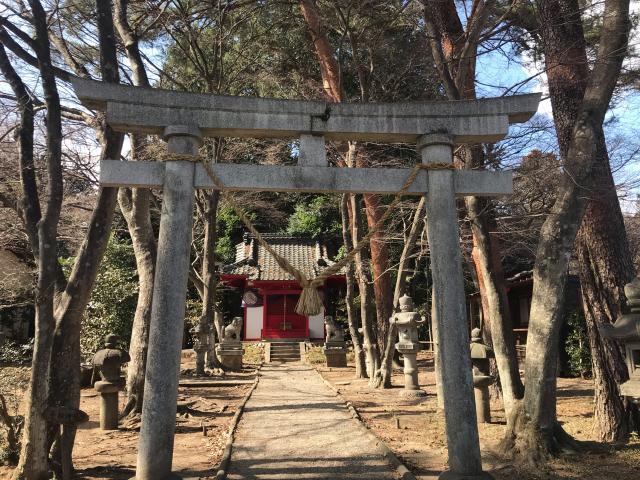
[{"x": 294, "y": 427}]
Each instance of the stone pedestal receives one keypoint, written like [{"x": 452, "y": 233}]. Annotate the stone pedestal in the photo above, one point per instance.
[
  {"x": 449, "y": 475},
  {"x": 409, "y": 352},
  {"x": 108, "y": 404},
  {"x": 336, "y": 354},
  {"x": 481, "y": 394},
  {"x": 230, "y": 355}
]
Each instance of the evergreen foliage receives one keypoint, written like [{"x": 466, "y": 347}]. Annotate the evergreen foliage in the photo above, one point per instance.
[
  {"x": 113, "y": 301},
  {"x": 577, "y": 346}
]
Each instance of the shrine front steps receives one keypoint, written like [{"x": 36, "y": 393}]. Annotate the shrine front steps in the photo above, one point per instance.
[{"x": 282, "y": 352}]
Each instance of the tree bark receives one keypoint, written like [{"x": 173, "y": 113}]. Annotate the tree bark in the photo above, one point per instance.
[
  {"x": 209, "y": 279},
  {"x": 367, "y": 315},
  {"x": 361, "y": 370},
  {"x": 382, "y": 291},
  {"x": 534, "y": 432},
  {"x": 65, "y": 374},
  {"x": 33, "y": 463},
  {"x": 29, "y": 206},
  {"x": 605, "y": 266},
  {"x": 135, "y": 207},
  {"x": 383, "y": 375},
  {"x": 334, "y": 90},
  {"x": 454, "y": 51}
]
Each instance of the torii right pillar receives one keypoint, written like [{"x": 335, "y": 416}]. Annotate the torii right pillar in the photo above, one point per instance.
[{"x": 461, "y": 428}]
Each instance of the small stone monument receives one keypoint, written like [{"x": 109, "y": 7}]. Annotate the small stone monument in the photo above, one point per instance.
[
  {"x": 480, "y": 355},
  {"x": 230, "y": 349},
  {"x": 335, "y": 348},
  {"x": 626, "y": 329},
  {"x": 109, "y": 361},
  {"x": 407, "y": 322},
  {"x": 201, "y": 344}
]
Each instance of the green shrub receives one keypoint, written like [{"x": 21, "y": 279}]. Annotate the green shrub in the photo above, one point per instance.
[
  {"x": 577, "y": 346},
  {"x": 113, "y": 300}
]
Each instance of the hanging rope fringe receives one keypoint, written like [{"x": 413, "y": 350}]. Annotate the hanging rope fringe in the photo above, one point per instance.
[{"x": 310, "y": 302}]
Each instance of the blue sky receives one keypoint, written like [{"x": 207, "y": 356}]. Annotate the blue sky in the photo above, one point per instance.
[{"x": 497, "y": 73}]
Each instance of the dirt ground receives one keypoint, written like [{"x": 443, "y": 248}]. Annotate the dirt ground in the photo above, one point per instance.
[
  {"x": 415, "y": 430},
  {"x": 201, "y": 431}
]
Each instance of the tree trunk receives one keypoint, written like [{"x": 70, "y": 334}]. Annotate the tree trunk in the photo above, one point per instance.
[
  {"x": 496, "y": 310},
  {"x": 454, "y": 52},
  {"x": 334, "y": 90},
  {"x": 605, "y": 267},
  {"x": 367, "y": 314},
  {"x": 65, "y": 373},
  {"x": 361, "y": 370},
  {"x": 33, "y": 464},
  {"x": 134, "y": 204},
  {"x": 208, "y": 270},
  {"x": 381, "y": 277},
  {"x": 135, "y": 207},
  {"x": 383, "y": 375},
  {"x": 534, "y": 432}
]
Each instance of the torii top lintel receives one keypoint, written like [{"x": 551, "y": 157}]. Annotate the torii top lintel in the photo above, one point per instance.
[{"x": 150, "y": 110}]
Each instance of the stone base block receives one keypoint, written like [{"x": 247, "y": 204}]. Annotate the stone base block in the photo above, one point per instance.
[
  {"x": 449, "y": 475},
  {"x": 412, "y": 393},
  {"x": 336, "y": 357},
  {"x": 171, "y": 476},
  {"x": 231, "y": 358}
]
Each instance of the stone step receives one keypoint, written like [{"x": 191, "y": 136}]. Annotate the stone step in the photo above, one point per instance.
[
  {"x": 285, "y": 355},
  {"x": 285, "y": 349}
]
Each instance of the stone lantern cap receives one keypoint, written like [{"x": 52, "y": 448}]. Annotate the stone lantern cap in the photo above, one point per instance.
[
  {"x": 109, "y": 360},
  {"x": 627, "y": 327},
  {"x": 478, "y": 349}
]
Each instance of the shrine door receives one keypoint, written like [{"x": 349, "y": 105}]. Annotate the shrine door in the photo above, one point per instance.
[{"x": 282, "y": 321}]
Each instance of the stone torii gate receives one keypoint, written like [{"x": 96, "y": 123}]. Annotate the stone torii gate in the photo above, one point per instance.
[{"x": 184, "y": 118}]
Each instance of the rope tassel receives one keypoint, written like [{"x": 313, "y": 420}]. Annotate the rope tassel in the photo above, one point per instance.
[{"x": 310, "y": 302}]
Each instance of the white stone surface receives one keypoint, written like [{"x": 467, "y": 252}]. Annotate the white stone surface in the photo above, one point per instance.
[
  {"x": 316, "y": 325},
  {"x": 147, "y": 110},
  {"x": 276, "y": 178},
  {"x": 254, "y": 318}
]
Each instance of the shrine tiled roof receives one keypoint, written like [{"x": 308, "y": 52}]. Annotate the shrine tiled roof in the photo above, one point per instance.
[{"x": 255, "y": 263}]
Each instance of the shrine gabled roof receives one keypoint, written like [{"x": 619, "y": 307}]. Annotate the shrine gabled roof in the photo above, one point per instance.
[{"x": 255, "y": 263}]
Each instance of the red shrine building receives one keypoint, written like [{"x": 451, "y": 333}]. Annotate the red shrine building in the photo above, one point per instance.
[{"x": 270, "y": 294}]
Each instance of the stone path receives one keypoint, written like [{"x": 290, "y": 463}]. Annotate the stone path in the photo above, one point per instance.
[{"x": 294, "y": 427}]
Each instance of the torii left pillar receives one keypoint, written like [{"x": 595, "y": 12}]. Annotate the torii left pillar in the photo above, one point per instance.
[{"x": 155, "y": 449}]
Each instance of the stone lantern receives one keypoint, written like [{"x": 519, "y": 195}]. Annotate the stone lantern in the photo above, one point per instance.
[
  {"x": 335, "y": 348},
  {"x": 480, "y": 355},
  {"x": 626, "y": 329},
  {"x": 407, "y": 322},
  {"x": 230, "y": 348},
  {"x": 109, "y": 360},
  {"x": 201, "y": 344}
]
